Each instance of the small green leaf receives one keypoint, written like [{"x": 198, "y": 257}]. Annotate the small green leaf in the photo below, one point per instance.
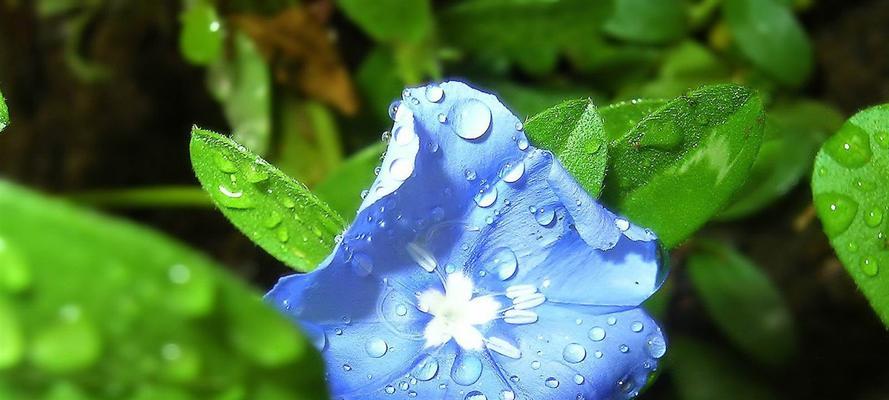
[
  {"x": 201, "y": 37},
  {"x": 243, "y": 85},
  {"x": 129, "y": 305},
  {"x": 647, "y": 21},
  {"x": 682, "y": 163},
  {"x": 279, "y": 214},
  {"x": 391, "y": 20},
  {"x": 343, "y": 187},
  {"x": 851, "y": 190},
  {"x": 790, "y": 140},
  {"x": 743, "y": 302},
  {"x": 4, "y": 113},
  {"x": 769, "y": 35},
  {"x": 573, "y": 131},
  {"x": 309, "y": 144},
  {"x": 620, "y": 118},
  {"x": 704, "y": 372}
]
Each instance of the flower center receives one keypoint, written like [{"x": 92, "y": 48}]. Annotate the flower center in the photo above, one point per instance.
[{"x": 456, "y": 314}]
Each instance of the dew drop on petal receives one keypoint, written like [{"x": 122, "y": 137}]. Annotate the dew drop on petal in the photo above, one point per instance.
[
  {"x": 401, "y": 310},
  {"x": 612, "y": 321},
  {"x": 507, "y": 395},
  {"x": 513, "y": 171},
  {"x": 403, "y": 135},
  {"x": 471, "y": 119},
  {"x": 657, "y": 347},
  {"x": 503, "y": 263},
  {"x": 622, "y": 224},
  {"x": 475, "y": 395},
  {"x": 390, "y": 389},
  {"x": 535, "y": 364},
  {"x": 393, "y": 109},
  {"x": 637, "y": 326},
  {"x": 544, "y": 215},
  {"x": 487, "y": 196},
  {"x": 624, "y": 348},
  {"x": 401, "y": 168},
  {"x": 574, "y": 353},
  {"x": 578, "y": 379},
  {"x": 376, "y": 347},
  {"x": 597, "y": 334},
  {"x": 467, "y": 370},
  {"x": 523, "y": 143},
  {"x": 552, "y": 382},
  {"x": 426, "y": 369},
  {"x": 434, "y": 93}
]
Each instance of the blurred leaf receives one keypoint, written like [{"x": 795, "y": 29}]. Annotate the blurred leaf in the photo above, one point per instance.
[
  {"x": 342, "y": 188},
  {"x": 659, "y": 303},
  {"x": 682, "y": 163},
  {"x": 274, "y": 211},
  {"x": 310, "y": 146},
  {"x": 704, "y": 372},
  {"x": 647, "y": 21},
  {"x": 4, "y": 113},
  {"x": 792, "y": 134},
  {"x": 743, "y": 302},
  {"x": 573, "y": 132},
  {"x": 529, "y": 100},
  {"x": 243, "y": 85},
  {"x": 135, "y": 309},
  {"x": 201, "y": 37},
  {"x": 620, "y": 118},
  {"x": 391, "y": 20},
  {"x": 769, "y": 35},
  {"x": 851, "y": 190},
  {"x": 298, "y": 45},
  {"x": 378, "y": 79},
  {"x": 529, "y": 33},
  {"x": 687, "y": 66}
]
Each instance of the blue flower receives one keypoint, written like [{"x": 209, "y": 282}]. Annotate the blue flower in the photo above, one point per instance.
[{"x": 477, "y": 268}]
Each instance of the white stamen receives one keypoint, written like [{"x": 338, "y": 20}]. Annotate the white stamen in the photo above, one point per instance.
[
  {"x": 519, "y": 317},
  {"x": 520, "y": 290},
  {"x": 423, "y": 257},
  {"x": 527, "y": 301},
  {"x": 503, "y": 347}
]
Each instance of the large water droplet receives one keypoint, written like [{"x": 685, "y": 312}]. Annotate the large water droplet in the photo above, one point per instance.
[
  {"x": 597, "y": 334},
  {"x": 434, "y": 93},
  {"x": 551, "y": 382},
  {"x": 873, "y": 217},
  {"x": 578, "y": 379},
  {"x": 850, "y": 146},
  {"x": 471, "y": 118},
  {"x": 393, "y": 109},
  {"x": 426, "y": 369},
  {"x": 467, "y": 369},
  {"x": 869, "y": 266},
  {"x": 401, "y": 168},
  {"x": 837, "y": 211},
  {"x": 224, "y": 164},
  {"x": 544, "y": 215},
  {"x": 233, "y": 198},
  {"x": 403, "y": 136},
  {"x": 486, "y": 196},
  {"x": 657, "y": 347},
  {"x": 389, "y": 389},
  {"x": 376, "y": 347},
  {"x": 574, "y": 353},
  {"x": 512, "y": 171},
  {"x": 507, "y": 395},
  {"x": 503, "y": 263},
  {"x": 475, "y": 395},
  {"x": 637, "y": 326}
]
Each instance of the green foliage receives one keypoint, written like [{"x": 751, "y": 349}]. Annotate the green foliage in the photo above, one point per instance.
[
  {"x": 768, "y": 34},
  {"x": 4, "y": 113},
  {"x": 681, "y": 164},
  {"x": 279, "y": 214},
  {"x": 851, "y": 189},
  {"x": 526, "y": 100},
  {"x": 390, "y": 20},
  {"x": 647, "y": 21},
  {"x": 686, "y": 66},
  {"x": 620, "y": 118},
  {"x": 574, "y": 132},
  {"x": 201, "y": 37},
  {"x": 791, "y": 138},
  {"x": 342, "y": 188},
  {"x": 743, "y": 302},
  {"x": 125, "y": 304},
  {"x": 243, "y": 85},
  {"x": 703, "y": 372}
]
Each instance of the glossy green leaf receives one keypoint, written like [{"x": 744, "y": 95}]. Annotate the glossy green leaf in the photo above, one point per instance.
[
  {"x": 743, "y": 302},
  {"x": 201, "y": 37},
  {"x": 276, "y": 212},
  {"x": 792, "y": 135},
  {"x": 851, "y": 189},
  {"x": 573, "y": 131},
  {"x": 4, "y": 113},
  {"x": 391, "y": 20},
  {"x": 704, "y": 372},
  {"x": 142, "y": 312},
  {"x": 768, "y": 34},
  {"x": 647, "y": 21},
  {"x": 342, "y": 189},
  {"x": 243, "y": 85},
  {"x": 620, "y": 118},
  {"x": 682, "y": 163}
]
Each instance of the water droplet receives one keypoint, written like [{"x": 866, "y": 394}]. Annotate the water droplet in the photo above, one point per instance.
[
  {"x": 864, "y": 186},
  {"x": 544, "y": 215},
  {"x": 233, "y": 198},
  {"x": 869, "y": 266},
  {"x": 637, "y": 326},
  {"x": 622, "y": 224},
  {"x": 503, "y": 263},
  {"x": 442, "y": 118},
  {"x": 393, "y": 109},
  {"x": 255, "y": 175},
  {"x": 523, "y": 143},
  {"x": 469, "y": 174},
  {"x": 503, "y": 347},
  {"x": 390, "y": 389},
  {"x": 535, "y": 364},
  {"x": 837, "y": 212},
  {"x": 520, "y": 317},
  {"x": 224, "y": 164},
  {"x": 376, "y": 347},
  {"x": 467, "y": 369},
  {"x": 507, "y": 395},
  {"x": 850, "y": 146},
  {"x": 434, "y": 93},
  {"x": 362, "y": 265},
  {"x": 283, "y": 234},
  {"x": 551, "y": 382},
  {"x": 272, "y": 220},
  {"x": 874, "y": 217},
  {"x": 486, "y": 196},
  {"x": 578, "y": 379},
  {"x": 657, "y": 347},
  {"x": 882, "y": 139},
  {"x": 519, "y": 126},
  {"x": 475, "y": 395},
  {"x": 426, "y": 370},
  {"x": 574, "y": 353},
  {"x": 403, "y": 136},
  {"x": 347, "y": 367},
  {"x": 624, "y": 348},
  {"x": 512, "y": 171},
  {"x": 401, "y": 168},
  {"x": 598, "y": 354},
  {"x": 401, "y": 310},
  {"x": 472, "y": 118}
]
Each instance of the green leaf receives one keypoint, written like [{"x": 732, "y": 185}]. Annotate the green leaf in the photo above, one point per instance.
[
  {"x": 243, "y": 85},
  {"x": 704, "y": 372},
  {"x": 620, "y": 118},
  {"x": 4, "y": 113},
  {"x": 309, "y": 145},
  {"x": 743, "y": 302},
  {"x": 530, "y": 100},
  {"x": 279, "y": 214},
  {"x": 129, "y": 305},
  {"x": 688, "y": 65},
  {"x": 791, "y": 138},
  {"x": 647, "y": 21},
  {"x": 851, "y": 190},
  {"x": 391, "y": 20},
  {"x": 201, "y": 37},
  {"x": 573, "y": 131},
  {"x": 682, "y": 163},
  {"x": 342, "y": 188},
  {"x": 378, "y": 79},
  {"x": 769, "y": 35}
]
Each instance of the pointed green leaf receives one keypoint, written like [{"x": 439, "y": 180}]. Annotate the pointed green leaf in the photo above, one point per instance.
[
  {"x": 4, "y": 113},
  {"x": 141, "y": 311},
  {"x": 682, "y": 163},
  {"x": 743, "y": 302},
  {"x": 342, "y": 188},
  {"x": 201, "y": 37},
  {"x": 851, "y": 189},
  {"x": 620, "y": 118},
  {"x": 704, "y": 372},
  {"x": 276, "y": 212},
  {"x": 573, "y": 131}
]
